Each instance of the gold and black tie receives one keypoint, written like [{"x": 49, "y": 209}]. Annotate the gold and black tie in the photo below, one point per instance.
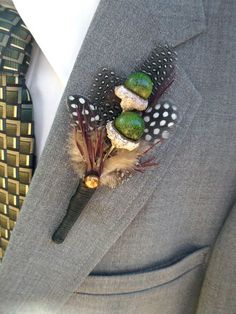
[{"x": 16, "y": 122}]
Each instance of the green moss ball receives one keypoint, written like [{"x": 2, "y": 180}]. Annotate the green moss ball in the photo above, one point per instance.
[
  {"x": 130, "y": 124},
  {"x": 139, "y": 83}
]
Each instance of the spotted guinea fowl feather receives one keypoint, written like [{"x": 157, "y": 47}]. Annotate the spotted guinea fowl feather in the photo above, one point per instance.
[
  {"x": 159, "y": 121},
  {"x": 88, "y": 111},
  {"x": 159, "y": 65},
  {"x": 103, "y": 96},
  {"x": 160, "y": 116},
  {"x": 89, "y": 135}
]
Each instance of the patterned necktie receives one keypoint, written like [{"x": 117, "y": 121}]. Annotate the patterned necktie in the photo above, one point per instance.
[{"x": 16, "y": 124}]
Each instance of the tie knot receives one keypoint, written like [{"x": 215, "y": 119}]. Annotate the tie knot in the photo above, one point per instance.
[{"x": 15, "y": 43}]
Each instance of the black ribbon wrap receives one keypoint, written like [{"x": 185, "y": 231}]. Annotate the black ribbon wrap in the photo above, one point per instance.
[{"x": 77, "y": 203}]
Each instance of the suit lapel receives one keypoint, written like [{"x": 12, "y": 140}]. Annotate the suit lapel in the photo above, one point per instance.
[{"x": 37, "y": 271}]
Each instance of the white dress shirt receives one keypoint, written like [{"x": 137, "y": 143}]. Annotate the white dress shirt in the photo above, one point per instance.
[{"x": 59, "y": 29}]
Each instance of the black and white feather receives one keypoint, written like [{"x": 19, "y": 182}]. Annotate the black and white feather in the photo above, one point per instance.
[
  {"x": 160, "y": 116},
  {"x": 103, "y": 96},
  {"x": 78, "y": 104},
  {"x": 159, "y": 120},
  {"x": 159, "y": 65}
]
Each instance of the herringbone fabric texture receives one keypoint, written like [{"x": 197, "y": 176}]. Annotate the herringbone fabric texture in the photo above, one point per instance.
[{"x": 16, "y": 122}]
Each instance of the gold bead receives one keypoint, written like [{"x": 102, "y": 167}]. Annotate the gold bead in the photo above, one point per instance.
[{"x": 91, "y": 181}]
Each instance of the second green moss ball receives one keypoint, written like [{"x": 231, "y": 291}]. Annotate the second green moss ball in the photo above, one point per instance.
[{"x": 130, "y": 124}]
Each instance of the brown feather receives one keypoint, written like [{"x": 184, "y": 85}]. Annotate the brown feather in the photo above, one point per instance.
[
  {"x": 76, "y": 157},
  {"x": 121, "y": 164},
  {"x": 111, "y": 180},
  {"x": 117, "y": 165},
  {"x": 122, "y": 160}
]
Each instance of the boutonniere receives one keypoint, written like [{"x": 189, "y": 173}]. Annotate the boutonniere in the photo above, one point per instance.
[{"x": 117, "y": 126}]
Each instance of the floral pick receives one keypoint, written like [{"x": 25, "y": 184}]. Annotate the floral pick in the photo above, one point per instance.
[{"x": 116, "y": 128}]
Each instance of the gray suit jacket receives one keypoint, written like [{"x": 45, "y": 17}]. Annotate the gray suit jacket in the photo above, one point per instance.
[{"x": 164, "y": 241}]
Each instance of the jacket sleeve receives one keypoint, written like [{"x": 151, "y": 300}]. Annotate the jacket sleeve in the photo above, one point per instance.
[{"x": 218, "y": 294}]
